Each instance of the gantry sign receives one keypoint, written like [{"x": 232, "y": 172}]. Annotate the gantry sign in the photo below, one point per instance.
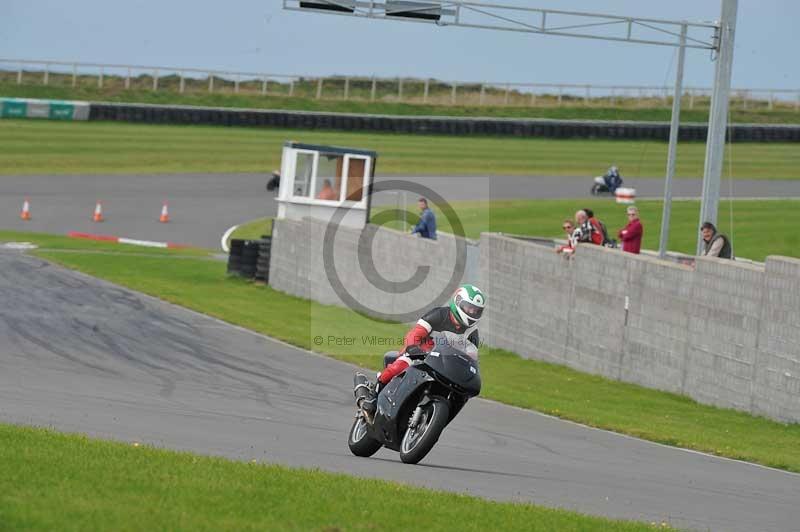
[{"x": 718, "y": 37}]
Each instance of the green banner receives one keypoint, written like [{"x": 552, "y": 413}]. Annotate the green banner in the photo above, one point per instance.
[
  {"x": 61, "y": 111},
  {"x": 14, "y": 108}
]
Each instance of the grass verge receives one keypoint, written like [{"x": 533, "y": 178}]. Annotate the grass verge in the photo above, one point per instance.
[
  {"x": 625, "y": 110},
  {"x": 658, "y": 416},
  {"x": 51, "y": 147},
  {"x": 96, "y": 485}
]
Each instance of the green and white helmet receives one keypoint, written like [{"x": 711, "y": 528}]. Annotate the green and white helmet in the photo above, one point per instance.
[{"x": 467, "y": 304}]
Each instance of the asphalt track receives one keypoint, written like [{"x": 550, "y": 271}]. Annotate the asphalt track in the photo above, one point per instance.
[
  {"x": 81, "y": 355},
  {"x": 203, "y": 206}
]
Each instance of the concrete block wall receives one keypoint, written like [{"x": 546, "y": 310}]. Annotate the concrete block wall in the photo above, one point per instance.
[
  {"x": 298, "y": 266},
  {"x": 776, "y": 386},
  {"x": 723, "y": 333}
]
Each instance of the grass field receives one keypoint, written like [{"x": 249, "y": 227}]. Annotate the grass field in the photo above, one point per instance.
[
  {"x": 63, "y": 482},
  {"x": 47, "y": 147},
  {"x": 202, "y": 285},
  {"x": 629, "y": 109}
]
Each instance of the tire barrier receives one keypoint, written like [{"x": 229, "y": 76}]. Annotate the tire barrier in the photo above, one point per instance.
[
  {"x": 250, "y": 258},
  {"x": 262, "y": 265},
  {"x": 235, "y": 257},
  {"x": 163, "y": 114}
]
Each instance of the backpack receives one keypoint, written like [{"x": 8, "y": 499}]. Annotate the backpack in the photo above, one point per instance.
[{"x": 607, "y": 242}]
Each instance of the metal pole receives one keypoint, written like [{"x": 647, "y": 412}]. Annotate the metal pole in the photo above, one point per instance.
[
  {"x": 19, "y": 75},
  {"x": 533, "y": 96},
  {"x": 128, "y": 79},
  {"x": 372, "y": 90},
  {"x": 588, "y": 95},
  {"x": 483, "y": 94},
  {"x": 718, "y": 118},
  {"x": 399, "y": 89},
  {"x": 74, "y": 74},
  {"x": 505, "y": 96},
  {"x": 291, "y": 88},
  {"x": 673, "y": 147},
  {"x": 425, "y": 91},
  {"x": 46, "y": 73},
  {"x": 183, "y": 83},
  {"x": 453, "y": 94},
  {"x": 100, "y": 79},
  {"x": 771, "y": 100},
  {"x": 264, "y": 85},
  {"x": 210, "y": 82},
  {"x": 155, "y": 79},
  {"x": 236, "y": 84},
  {"x": 346, "y": 88},
  {"x": 559, "y": 96}
]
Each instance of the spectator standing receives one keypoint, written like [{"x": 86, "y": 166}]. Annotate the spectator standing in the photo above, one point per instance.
[
  {"x": 426, "y": 228},
  {"x": 631, "y": 234},
  {"x": 716, "y": 244}
]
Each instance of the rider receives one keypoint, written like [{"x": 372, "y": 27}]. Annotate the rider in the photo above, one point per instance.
[
  {"x": 460, "y": 319},
  {"x": 613, "y": 179}
]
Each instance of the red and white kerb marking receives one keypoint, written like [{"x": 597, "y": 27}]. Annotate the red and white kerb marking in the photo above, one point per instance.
[{"x": 123, "y": 240}]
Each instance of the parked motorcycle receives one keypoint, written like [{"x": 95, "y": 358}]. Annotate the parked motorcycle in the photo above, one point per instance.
[{"x": 415, "y": 407}]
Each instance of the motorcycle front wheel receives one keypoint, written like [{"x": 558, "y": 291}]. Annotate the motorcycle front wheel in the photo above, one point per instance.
[
  {"x": 359, "y": 442},
  {"x": 420, "y": 439}
]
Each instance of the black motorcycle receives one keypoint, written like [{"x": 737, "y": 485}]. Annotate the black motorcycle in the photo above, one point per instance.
[{"x": 415, "y": 407}]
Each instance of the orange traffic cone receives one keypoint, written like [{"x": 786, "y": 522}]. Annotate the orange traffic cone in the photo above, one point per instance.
[
  {"x": 26, "y": 210},
  {"x": 98, "y": 213},
  {"x": 164, "y": 218}
]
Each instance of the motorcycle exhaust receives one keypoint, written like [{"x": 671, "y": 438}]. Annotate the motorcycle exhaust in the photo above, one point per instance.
[{"x": 361, "y": 388}]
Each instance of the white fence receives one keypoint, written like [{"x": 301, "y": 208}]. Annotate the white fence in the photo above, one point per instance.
[{"x": 411, "y": 90}]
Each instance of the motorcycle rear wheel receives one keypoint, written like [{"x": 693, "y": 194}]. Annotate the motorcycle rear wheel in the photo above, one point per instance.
[
  {"x": 359, "y": 442},
  {"x": 418, "y": 441}
]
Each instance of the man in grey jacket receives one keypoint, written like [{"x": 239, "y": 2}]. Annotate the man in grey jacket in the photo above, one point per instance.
[{"x": 715, "y": 244}]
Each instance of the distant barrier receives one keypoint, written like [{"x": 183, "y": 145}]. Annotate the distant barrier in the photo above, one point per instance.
[
  {"x": 163, "y": 114},
  {"x": 423, "y": 125},
  {"x": 50, "y": 109}
]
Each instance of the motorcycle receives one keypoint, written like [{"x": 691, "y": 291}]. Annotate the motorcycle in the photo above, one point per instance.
[
  {"x": 601, "y": 187},
  {"x": 413, "y": 409}
]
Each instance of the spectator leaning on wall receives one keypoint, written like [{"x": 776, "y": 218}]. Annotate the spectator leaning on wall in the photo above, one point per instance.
[
  {"x": 716, "y": 244},
  {"x": 569, "y": 229},
  {"x": 426, "y": 228},
  {"x": 631, "y": 234},
  {"x": 586, "y": 232}
]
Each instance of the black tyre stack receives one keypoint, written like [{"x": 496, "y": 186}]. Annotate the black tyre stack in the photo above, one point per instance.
[
  {"x": 235, "y": 257},
  {"x": 250, "y": 258},
  {"x": 262, "y": 266}
]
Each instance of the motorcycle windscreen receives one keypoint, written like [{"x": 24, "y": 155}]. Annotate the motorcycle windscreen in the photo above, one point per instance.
[
  {"x": 442, "y": 339},
  {"x": 457, "y": 368}
]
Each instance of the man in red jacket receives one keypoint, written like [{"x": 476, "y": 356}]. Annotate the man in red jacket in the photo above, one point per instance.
[{"x": 631, "y": 234}]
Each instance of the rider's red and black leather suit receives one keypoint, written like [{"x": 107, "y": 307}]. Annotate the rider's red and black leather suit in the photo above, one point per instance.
[{"x": 439, "y": 319}]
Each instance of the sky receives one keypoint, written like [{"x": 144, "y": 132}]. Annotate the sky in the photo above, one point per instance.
[{"x": 260, "y": 36}]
